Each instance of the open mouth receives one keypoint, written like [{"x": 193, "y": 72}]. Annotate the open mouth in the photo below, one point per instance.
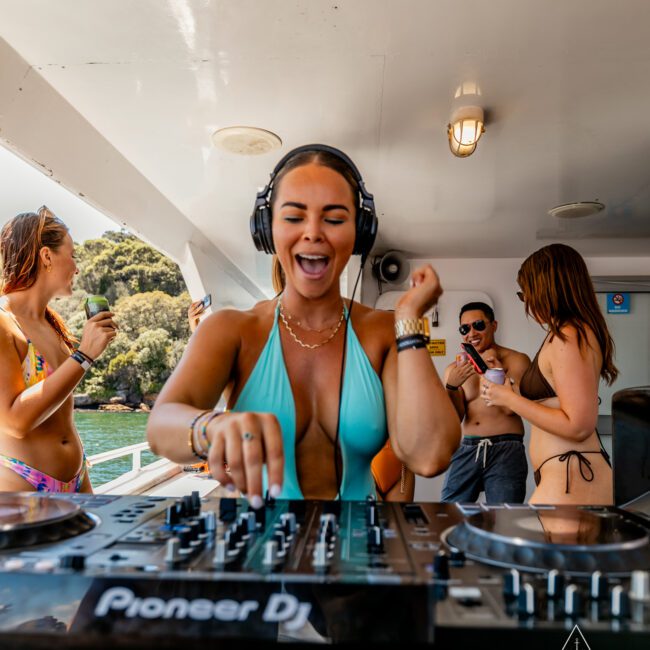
[
  {"x": 313, "y": 265},
  {"x": 475, "y": 341}
]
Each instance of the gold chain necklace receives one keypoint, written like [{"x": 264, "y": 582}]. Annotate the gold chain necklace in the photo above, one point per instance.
[{"x": 310, "y": 346}]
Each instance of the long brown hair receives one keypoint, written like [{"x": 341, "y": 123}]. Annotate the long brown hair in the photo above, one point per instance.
[
  {"x": 21, "y": 240},
  {"x": 558, "y": 291}
]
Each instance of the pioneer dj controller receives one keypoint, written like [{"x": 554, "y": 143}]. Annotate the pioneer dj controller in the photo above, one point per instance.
[{"x": 137, "y": 571}]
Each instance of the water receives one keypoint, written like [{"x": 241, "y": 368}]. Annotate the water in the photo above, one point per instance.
[{"x": 101, "y": 431}]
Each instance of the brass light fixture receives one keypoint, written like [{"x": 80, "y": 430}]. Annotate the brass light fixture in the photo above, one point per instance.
[{"x": 465, "y": 129}]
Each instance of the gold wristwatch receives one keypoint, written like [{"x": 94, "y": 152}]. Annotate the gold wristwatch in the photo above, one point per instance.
[{"x": 412, "y": 326}]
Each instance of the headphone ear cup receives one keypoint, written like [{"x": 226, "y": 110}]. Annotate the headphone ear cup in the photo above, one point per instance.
[
  {"x": 260, "y": 225},
  {"x": 366, "y": 229}
]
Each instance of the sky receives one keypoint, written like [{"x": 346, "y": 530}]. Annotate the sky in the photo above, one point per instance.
[{"x": 24, "y": 188}]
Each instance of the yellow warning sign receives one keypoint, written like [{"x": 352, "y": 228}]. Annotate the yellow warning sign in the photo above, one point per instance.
[{"x": 437, "y": 347}]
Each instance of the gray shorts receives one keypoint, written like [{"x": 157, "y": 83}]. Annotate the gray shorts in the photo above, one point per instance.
[{"x": 495, "y": 465}]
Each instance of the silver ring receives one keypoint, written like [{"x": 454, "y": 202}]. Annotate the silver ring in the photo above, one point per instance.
[{"x": 247, "y": 436}]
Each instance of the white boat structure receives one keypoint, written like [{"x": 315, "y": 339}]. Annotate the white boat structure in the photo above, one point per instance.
[{"x": 118, "y": 101}]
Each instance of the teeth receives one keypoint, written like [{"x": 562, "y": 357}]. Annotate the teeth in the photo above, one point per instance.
[{"x": 313, "y": 257}]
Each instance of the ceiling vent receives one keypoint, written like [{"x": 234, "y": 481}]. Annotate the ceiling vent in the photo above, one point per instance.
[{"x": 576, "y": 210}]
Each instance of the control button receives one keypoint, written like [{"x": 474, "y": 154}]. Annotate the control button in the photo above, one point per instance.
[
  {"x": 172, "y": 550},
  {"x": 260, "y": 517},
  {"x": 288, "y": 523},
  {"x": 441, "y": 565},
  {"x": 321, "y": 555},
  {"x": 73, "y": 561},
  {"x": 227, "y": 509},
  {"x": 183, "y": 534},
  {"x": 526, "y": 602},
  {"x": 554, "y": 584},
  {"x": 196, "y": 502},
  {"x": 511, "y": 584},
  {"x": 171, "y": 515},
  {"x": 210, "y": 522},
  {"x": 640, "y": 586},
  {"x": 249, "y": 521},
  {"x": 371, "y": 515},
  {"x": 280, "y": 539},
  {"x": 457, "y": 557},
  {"x": 620, "y": 603},
  {"x": 375, "y": 539},
  {"x": 188, "y": 506},
  {"x": 271, "y": 553},
  {"x": 597, "y": 586},
  {"x": 572, "y": 602},
  {"x": 220, "y": 553}
]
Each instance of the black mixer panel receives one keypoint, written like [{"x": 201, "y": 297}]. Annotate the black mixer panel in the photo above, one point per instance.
[{"x": 137, "y": 571}]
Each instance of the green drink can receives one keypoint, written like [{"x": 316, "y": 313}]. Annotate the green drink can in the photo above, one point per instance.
[{"x": 95, "y": 304}]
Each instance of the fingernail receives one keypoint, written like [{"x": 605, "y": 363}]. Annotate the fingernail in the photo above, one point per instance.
[
  {"x": 230, "y": 487},
  {"x": 275, "y": 490},
  {"x": 256, "y": 502}
]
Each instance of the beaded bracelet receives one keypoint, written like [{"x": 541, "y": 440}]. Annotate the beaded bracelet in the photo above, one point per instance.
[
  {"x": 190, "y": 439},
  {"x": 412, "y": 342},
  {"x": 206, "y": 421}
]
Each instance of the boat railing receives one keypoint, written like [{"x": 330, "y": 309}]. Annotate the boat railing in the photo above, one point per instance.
[{"x": 135, "y": 451}]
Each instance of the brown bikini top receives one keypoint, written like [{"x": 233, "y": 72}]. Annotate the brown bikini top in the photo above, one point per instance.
[{"x": 533, "y": 384}]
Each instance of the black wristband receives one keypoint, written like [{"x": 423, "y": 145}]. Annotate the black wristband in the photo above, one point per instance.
[
  {"x": 83, "y": 354},
  {"x": 450, "y": 387},
  {"x": 411, "y": 342},
  {"x": 81, "y": 359}
]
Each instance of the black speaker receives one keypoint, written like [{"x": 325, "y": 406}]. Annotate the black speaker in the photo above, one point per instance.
[{"x": 365, "y": 220}]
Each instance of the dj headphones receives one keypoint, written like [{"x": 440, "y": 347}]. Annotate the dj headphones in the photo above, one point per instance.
[{"x": 366, "y": 217}]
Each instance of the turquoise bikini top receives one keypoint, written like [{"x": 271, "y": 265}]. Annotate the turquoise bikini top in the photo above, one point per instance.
[{"x": 362, "y": 432}]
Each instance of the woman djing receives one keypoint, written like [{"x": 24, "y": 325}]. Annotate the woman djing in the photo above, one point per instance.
[
  {"x": 559, "y": 391},
  {"x": 311, "y": 396}
]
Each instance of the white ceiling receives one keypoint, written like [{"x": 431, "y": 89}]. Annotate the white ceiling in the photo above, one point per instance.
[{"x": 566, "y": 86}]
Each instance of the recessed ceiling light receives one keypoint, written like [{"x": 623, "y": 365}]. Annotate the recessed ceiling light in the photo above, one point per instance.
[
  {"x": 246, "y": 140},
  {"x": 576, "y": 210}
]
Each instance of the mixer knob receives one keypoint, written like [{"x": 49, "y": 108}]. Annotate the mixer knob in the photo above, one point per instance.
[
  {"x": 230, "y": 540},
  {"x": 457, "y": 557},
  {"x": 227, "y": 509},
  {"x": 375, "y": 539},
  {"x": 620, "y": 603},
  {"x": 194, "y": 533},
  {"x": 271, "y": 553},
  {"x": 288, "y": 522},
  {"x": 329, "y": 521},
  {"x": 249, "y": 522},
  {"x": 554, "y": 584},
  {"x": 172, "y": 515},
  {"x": 172, "y": 548},
  {"x": 572, "y": 602},
  {"x": 220, "y": 553},
  {"x": 441, "y": 565},
  {"x": 511, "y": 584},
  {"x": 183, "y": 533},
  {"x": 188, "y": 507},
  {"x": 195, "y": 498},
  {"x": 526, "y": 602},
  {"x": 321, "y": 555},
  {"x": 203, "y": 526},
  {"x": 597, "y": 586},
  {"x": 260, "y": 516},
  {"x": 73, "y": 561},
  {"x": 280, "y": 538},
  {"x": 640, "y": 586}
]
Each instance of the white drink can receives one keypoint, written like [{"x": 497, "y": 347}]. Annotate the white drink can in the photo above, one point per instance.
[{"x": 496, "y": 375}]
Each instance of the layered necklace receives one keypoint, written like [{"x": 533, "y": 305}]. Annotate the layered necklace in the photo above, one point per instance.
[{"x": 294, "y": 336}]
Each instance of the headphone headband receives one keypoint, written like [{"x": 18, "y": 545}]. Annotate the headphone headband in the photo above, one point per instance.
[{"x": 366, "y": 217}]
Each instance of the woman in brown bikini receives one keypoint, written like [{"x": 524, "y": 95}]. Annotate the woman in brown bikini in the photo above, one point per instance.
[{"x": 559, "y": 391}]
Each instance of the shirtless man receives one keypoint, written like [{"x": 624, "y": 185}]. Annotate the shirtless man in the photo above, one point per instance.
[{"x": 491, "y": 457}]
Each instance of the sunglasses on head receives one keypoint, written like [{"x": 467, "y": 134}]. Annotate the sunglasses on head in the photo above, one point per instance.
[
  {"x": 520, "y": 295},
  {"x": 478, "y": 325}
]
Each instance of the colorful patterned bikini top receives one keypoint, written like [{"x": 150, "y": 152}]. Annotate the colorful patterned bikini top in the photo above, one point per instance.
[{"x": 35, "y": 368}]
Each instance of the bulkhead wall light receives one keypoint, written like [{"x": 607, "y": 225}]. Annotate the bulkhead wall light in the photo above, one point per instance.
[{"x": 465, "y": 129}]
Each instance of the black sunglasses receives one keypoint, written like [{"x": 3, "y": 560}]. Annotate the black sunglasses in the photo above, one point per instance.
[
  {"x": 478, "y": 325},
  {"x": 520, "y": 295}
]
